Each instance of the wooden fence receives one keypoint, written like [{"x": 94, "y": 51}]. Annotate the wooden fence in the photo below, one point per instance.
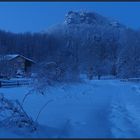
[
  {"x": 12, "y": 83},
  {"x": 131, "y": 80}
]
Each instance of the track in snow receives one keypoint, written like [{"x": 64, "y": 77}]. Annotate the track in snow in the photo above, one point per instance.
[{"x": 95, "y": 109}]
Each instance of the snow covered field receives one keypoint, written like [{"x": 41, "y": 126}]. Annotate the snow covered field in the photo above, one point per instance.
[{"x": 91, "y": 109}]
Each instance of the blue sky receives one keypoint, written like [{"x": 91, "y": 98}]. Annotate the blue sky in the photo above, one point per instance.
[{"x": 38, "y": 16}]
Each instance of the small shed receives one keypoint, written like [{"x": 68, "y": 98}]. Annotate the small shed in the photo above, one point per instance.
[{"x": 17, "y": 64}]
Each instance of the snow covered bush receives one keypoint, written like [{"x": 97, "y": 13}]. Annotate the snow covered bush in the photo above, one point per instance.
[
  {"x": 48, "y": 72},
  {"x": 12, "y": 115},
  {"x": 51, "y": 73}
]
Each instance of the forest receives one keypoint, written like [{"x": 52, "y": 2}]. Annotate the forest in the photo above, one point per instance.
[{"x": 85, "y": 42}]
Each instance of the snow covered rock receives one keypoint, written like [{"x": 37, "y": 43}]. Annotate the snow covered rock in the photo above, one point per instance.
[{"x": 91, "y": 18}]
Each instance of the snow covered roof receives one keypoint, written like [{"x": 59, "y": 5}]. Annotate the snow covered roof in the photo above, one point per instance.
[
  {"x": 8, "y": 57},
  {"x": 12, "y": 56}
]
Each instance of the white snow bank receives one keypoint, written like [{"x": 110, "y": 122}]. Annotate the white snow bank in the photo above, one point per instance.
[{"x": 92, "y": 109}]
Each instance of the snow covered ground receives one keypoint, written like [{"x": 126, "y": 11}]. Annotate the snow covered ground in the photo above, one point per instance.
[{"x": 91, "y": 109}]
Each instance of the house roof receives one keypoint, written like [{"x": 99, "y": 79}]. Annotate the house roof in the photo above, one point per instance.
[{"x": 12, "y": 56}]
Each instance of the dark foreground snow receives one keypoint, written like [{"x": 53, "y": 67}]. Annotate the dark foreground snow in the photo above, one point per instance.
[{"x": 93, "y": 109}]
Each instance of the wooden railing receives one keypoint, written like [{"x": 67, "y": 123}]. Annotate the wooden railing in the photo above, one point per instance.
[
  {"x": 131, "y": 80},
  {"x": 11, "y": 83}
]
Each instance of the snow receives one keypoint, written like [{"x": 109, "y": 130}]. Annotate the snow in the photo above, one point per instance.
[
  {"x": 9, "y": 57},
  {"x": 90, "y": 109}
]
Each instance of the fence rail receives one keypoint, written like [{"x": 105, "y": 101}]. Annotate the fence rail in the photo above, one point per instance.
[
  {"x": 10, "y": 83},
  {"x": 131, "y": 80}
]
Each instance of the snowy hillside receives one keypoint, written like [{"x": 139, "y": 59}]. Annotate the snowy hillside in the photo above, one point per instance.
[{"x": 91, "y": 109}]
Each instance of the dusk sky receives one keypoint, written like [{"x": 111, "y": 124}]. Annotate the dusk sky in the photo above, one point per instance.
[{"x": 38, "y": 16}]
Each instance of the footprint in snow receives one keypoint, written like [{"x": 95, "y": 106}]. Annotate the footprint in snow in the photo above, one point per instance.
[
  {"x": 78, "y": 123},
  {"x": 136, "y": 88}
]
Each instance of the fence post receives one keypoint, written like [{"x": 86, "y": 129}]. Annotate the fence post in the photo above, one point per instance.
[{"x": 17, "y": 83}]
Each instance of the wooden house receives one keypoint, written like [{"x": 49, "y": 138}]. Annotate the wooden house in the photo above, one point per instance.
[{"x": 16, "y": 64}]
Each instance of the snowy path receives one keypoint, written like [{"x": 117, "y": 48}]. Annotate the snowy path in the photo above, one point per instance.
[
  {"x": 94, "y": 117},
  {"x": 125, "y": 112},
  {"x": 95, "y": 109}
]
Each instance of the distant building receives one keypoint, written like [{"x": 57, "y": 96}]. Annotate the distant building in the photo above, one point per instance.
[{"x": 16, "y": 64}]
